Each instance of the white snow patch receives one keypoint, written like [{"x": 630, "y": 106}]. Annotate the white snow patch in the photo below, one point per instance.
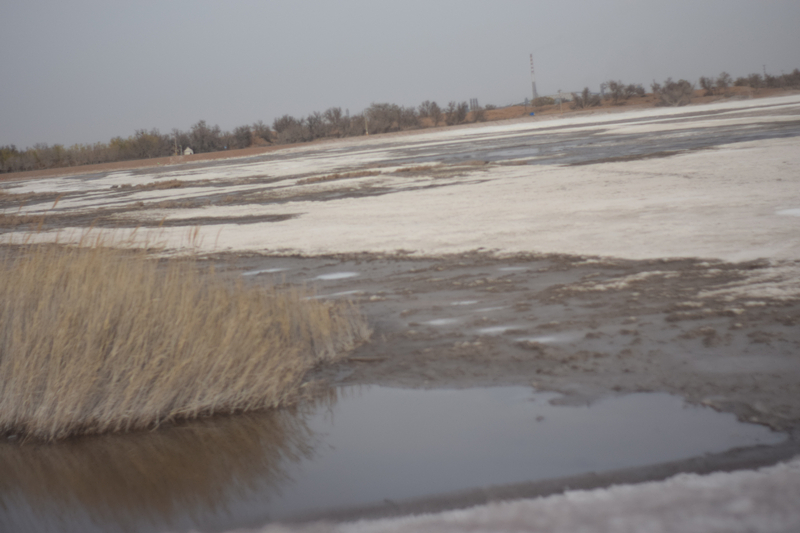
[
  {"x": 548, "y": 339},
  {"x": 337, "y": 275},
  {"x": 489, "y": 309},
  {"x": 763, "y": 500},
  {"x": 442, "y": 321},
  {"x": 789, "y": 212},
  {"x": 465, "y": 302},
  {"x": 263, "y": 271},
  {"x": 495, "y": 330}
]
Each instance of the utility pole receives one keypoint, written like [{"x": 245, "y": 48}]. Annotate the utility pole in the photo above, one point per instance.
[{"x": 533, "y": 81}]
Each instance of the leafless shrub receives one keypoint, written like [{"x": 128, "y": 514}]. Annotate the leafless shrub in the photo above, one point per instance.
[
  {"x": 618, "y": 92},
  {"x": 707, "y": 84},
  {"x": 585, "y": 99},
  {"x": 424, "y": 108},
  {"x": 316, "y": 125},
  {"x": 436, "y": 114},
  {"x": 634, "y": 89},
  {"x": 675, "y": 93},
  {"x": 290, "y": 130},
  {"x": 541, "y": 101},
  {"x": 205, "y": 138},
  {"x": 242, "y": 137},
  {"x": 655, "y": 87},
  {"x": 336, "y": 122},
  {"x": 456, "y": 113},
  {"x": 753, "y": 80},
  {"x": 724, "y": 81},
  {"x": 262, "y": 131}
]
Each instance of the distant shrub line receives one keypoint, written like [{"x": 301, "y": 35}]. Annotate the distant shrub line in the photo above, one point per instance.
[
  {"x": 333, "y": 123},
  {"x": 678, "y": 93}
]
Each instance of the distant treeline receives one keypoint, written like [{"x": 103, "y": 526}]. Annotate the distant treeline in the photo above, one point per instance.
[
  {"x": 143, "y": 144},
  {"x": 377, "y": 118}
]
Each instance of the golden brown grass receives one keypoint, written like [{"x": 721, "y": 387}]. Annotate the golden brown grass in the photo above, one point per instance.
[{"x": 97, "y": 339}]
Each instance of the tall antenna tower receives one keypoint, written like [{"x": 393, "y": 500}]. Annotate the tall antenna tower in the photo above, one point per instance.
[{"x": 533, "y": 81}]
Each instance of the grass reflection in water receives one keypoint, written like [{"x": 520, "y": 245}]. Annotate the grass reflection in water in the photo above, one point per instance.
[{"x": 180, "y": 475}]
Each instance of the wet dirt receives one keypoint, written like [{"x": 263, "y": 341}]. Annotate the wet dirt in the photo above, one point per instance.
[{"x": 585, "y": 327}]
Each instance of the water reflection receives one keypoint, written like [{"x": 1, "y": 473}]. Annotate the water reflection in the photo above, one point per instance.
[
  {"x": 191, "y": 475},
  {"x": 353, "y": 448}
]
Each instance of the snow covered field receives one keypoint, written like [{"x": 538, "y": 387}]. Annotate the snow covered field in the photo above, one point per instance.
[{"x": 731, "y": 201}]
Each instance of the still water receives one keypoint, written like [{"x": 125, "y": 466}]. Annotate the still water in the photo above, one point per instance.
[{"x": 355, "y": 447}]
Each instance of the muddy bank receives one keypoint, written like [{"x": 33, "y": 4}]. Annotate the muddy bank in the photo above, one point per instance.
[{"x": 583, "y": 326}]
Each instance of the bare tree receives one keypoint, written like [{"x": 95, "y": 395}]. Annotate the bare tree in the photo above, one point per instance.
[
  {"x": 655, "y": 87},
  {"x": 262, "y": 131},
  {"x": 436, "y": 113},
  {"x": 456, "y": 113},
  {"x": 425, "y": 108},
  {"x": 242, "y": 137},
  {"x": 334, "y": 121},
  {"x": 408, "y": 118},
  {"x": 616, "y": 91},
  {"x": 204, "y": 138},
  {"x": 724, "y": 81},
  {"x": 585, "y": 99},
  {"x": 290, "y": 130},
  {"x": 708, "y": 85},
  {"x": 316, "y": 125},
  {"x": 675, "y": 93}
]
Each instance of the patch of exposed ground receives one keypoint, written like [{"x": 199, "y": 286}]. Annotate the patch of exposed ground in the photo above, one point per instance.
[{"x": 583, "y": 326}]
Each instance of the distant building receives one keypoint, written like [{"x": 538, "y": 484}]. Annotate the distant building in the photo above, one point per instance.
[{"x": 188, "y": 151}]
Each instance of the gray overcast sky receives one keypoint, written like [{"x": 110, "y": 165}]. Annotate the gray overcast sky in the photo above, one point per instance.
[{"x": 84, "y": 71}]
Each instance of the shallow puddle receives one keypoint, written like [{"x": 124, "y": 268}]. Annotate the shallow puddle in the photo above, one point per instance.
[
  {"x": 359, "y": 447},
  {"x": 394, "y": 444}
]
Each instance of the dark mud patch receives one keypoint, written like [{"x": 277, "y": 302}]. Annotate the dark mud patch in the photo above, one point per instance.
[
  {"x": 585, "y": 327},
  {"x": 637, "y": 157}
]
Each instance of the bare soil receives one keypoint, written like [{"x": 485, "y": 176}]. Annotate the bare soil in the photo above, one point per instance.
[{"x": 583, "y": 326}]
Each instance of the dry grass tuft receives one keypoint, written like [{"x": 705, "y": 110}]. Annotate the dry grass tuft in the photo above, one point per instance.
[
  {"x": 345, "y": 175},
  {"x": 12, "y": 221},
  {"x": 155, "y": 185},
  {"x": 418, "y": 168},
  {"x": 96, "y": 339}
]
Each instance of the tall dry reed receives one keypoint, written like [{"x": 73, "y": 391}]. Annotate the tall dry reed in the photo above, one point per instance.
[{"x": 97, "y": 339}]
